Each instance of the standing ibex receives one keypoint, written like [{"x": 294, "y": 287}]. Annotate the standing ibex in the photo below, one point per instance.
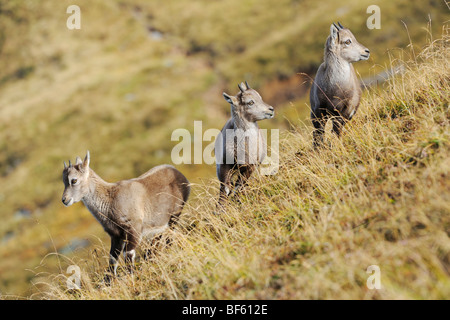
[
  {"x": 336, "y": 91},
  {"x": 128, "y": 210},
  {"x": 240, "y": 146}
]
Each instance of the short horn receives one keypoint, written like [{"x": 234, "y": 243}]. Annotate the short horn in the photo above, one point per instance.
[
  {"x": 241, "y": 87},
  {"x": 337, "y": 28},
  {"x": 87, "y": 159},
  {"x": 340, "y": 25},
  {"x": 70, "y": 164},
  {"x": 246, "y": 83},
  {"x": 65, "y": 165}
]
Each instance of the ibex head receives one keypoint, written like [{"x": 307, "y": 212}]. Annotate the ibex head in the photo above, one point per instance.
[
  {"x": 248, "y": 104},
  {"x": 75, "y": 178},
  {"x": 343, "y": 44}
]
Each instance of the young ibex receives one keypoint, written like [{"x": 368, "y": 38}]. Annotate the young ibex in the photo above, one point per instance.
[
  {"x": 241, "y": 146},
  {"x": 128, "y": 210},
  {"x": 336, "y": 91}
]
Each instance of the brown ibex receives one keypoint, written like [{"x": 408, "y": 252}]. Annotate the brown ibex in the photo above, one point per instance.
[
  {"x": 336, "y": 91},
  {"x": 241, "y": 146},
  {"x": 128, "y": 210}
]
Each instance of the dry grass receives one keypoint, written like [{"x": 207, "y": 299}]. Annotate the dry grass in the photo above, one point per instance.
[
  {"x": 115, "y": 90},
  {"x": 379, "y": 196}
]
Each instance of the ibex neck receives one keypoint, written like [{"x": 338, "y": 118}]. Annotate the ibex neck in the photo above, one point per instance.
[
  {"x": 240, "y": 123},
  {"x": 337, "y": 69},
  {"x": 98, "y": 200}
]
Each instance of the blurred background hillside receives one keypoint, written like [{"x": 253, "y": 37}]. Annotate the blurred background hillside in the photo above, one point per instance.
[{"x": 136, "y": 71}]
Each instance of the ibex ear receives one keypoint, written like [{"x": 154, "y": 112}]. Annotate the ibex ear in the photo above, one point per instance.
[
  {"x": 230, "y": 99},
  {"x": 87, "y": 159},
  {"x": 333, "y": 33},
  {"x": 78, "y": 160}
]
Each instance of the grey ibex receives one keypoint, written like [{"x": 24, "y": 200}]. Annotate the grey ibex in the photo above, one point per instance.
[
  {"x": 336, "y": 91},
  {"x": 128, "y": 210},
  {"x": 241, "y": 146}
]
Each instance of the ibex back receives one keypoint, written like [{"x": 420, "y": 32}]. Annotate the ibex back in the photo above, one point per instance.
[
  {"x": 336, "y": 91},
  {"x": 128, "y": 210}
]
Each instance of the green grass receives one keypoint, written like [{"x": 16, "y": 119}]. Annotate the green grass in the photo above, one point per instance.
[{"x": 113, "y": 90}]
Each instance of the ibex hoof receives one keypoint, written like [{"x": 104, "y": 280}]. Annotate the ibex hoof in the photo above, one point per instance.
[{"x": 107, "y": 279}]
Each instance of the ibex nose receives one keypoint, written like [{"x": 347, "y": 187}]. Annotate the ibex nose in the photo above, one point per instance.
[
  {"x": 367, "y": 51},
  {"x": 64, "y": 200},
  {"x": 271, "y": 108}
]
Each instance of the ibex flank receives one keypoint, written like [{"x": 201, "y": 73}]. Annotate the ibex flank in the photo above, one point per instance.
[
  {"x": 336, "y": 91},
  {"x": 128, "y": 210}
]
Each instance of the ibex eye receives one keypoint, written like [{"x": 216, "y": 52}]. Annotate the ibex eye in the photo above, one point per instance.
[
  {"x": 73, "y": 181},
  {"x": 348, "y": 42},
  {"x": 251, "y": 102}
]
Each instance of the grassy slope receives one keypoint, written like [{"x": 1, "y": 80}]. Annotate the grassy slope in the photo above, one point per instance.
[
  {"x": 112, "y": 89},
  {"x": 378, "y": 197}
]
